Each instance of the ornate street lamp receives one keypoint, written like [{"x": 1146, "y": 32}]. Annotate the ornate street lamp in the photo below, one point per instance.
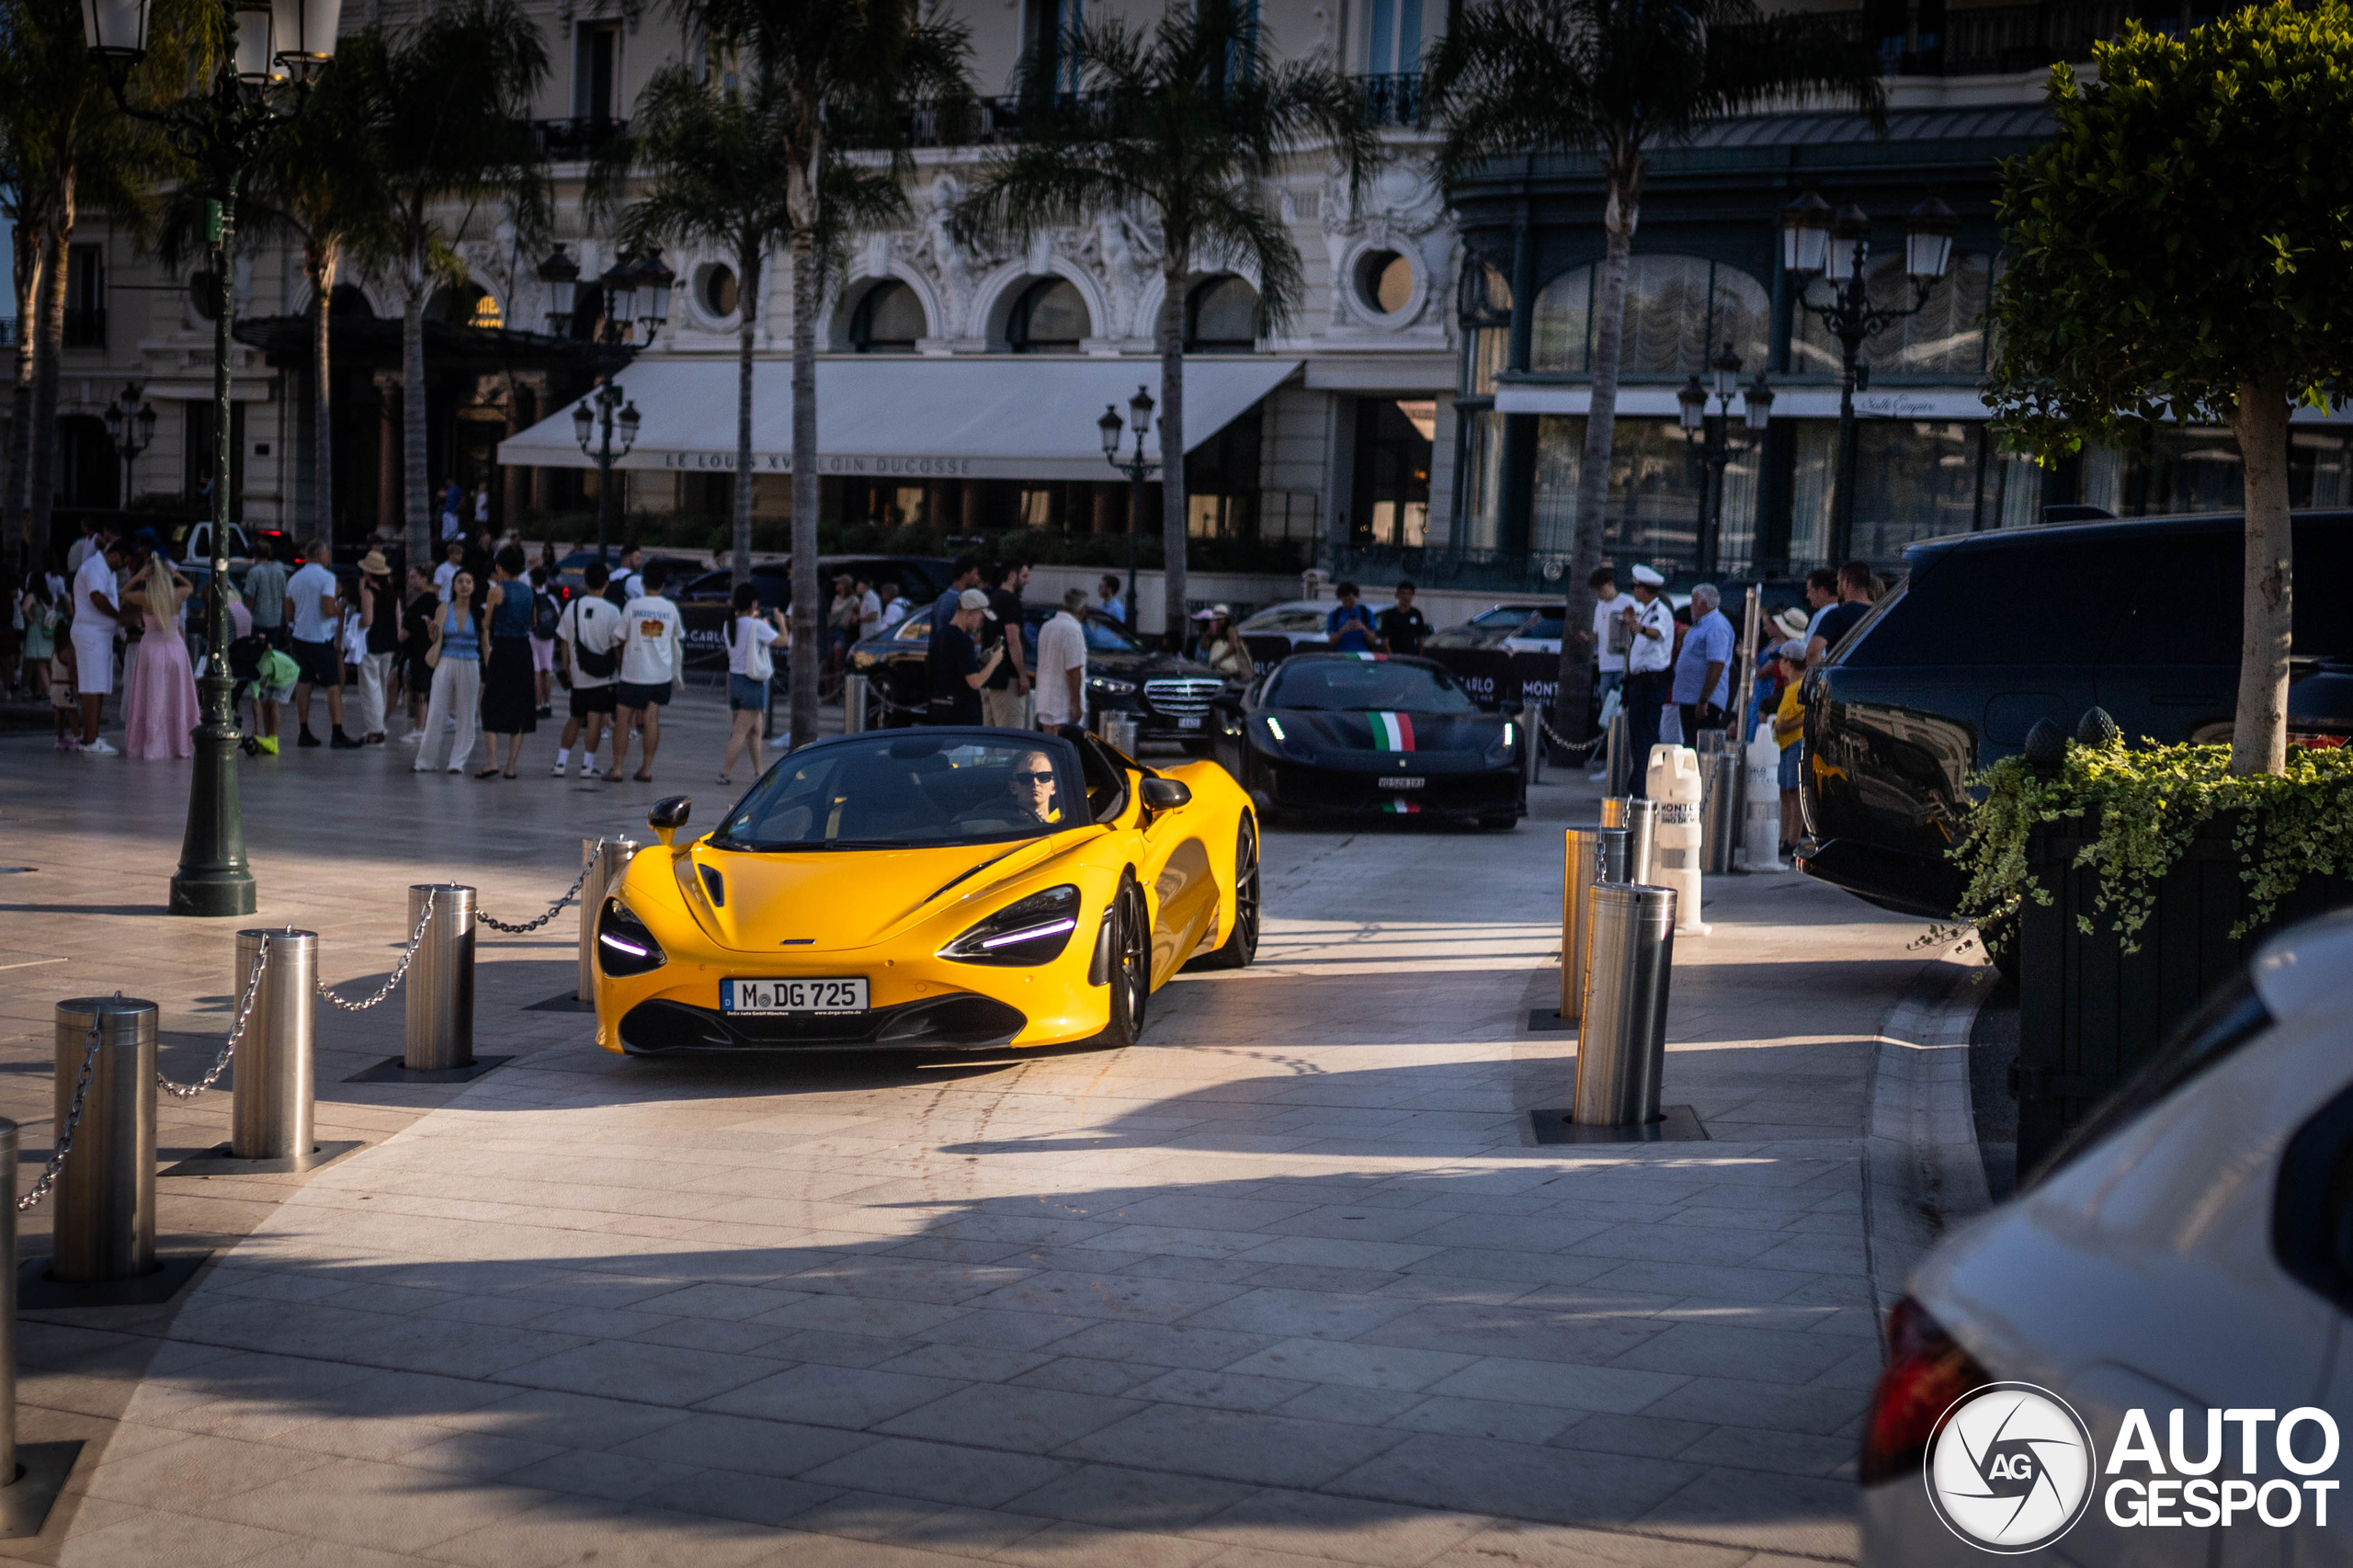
[
  {"x": 1818, "y": 245},
  {"x": 130, "y": 425},
  {"x": 280, "y": 46},
  {"x": 1714, "y": 442},
  {"x": 635, "y": 295},
  {"x": 1138, "y": 468}
]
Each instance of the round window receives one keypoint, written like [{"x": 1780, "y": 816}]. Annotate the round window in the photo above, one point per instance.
[
  {"x": 717, "y": 289},
  {"x": 1385, "y": 281}
]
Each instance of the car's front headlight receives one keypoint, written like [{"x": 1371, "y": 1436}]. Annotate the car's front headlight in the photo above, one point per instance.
[
  {"x": 1500, "y": 747},
  {"x": 624, "y": 947},
  {"x": 1104, "y": 686},
  {"x": 1028, "y": 931}
]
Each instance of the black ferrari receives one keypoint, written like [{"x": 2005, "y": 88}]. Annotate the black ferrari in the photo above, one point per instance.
[{"x": 1371, "y": 735}]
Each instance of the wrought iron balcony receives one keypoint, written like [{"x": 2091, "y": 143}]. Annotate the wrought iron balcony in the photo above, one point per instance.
[
  {"x": 1996, "y": 40},
  {"x": 1394, "y": 99},
  {"x": 579, "y": 137}
]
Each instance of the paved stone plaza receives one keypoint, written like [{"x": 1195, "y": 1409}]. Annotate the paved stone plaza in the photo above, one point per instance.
[{"x": 1288, "y": 1283}]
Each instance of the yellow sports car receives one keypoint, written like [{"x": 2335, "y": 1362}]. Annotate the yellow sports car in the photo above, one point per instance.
[{"x": 937, "y": 888}]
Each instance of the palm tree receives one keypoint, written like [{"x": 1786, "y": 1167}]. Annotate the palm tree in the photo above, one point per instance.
[
  {"x": 712, "y": 159},
  {"x": 1610, "y": 79},
  {"x": 446, "y": 105},
  {"x": 1177, "y": 126},
  {"x": 318, "y": 179},
  {"x": 845, "y": 71}
]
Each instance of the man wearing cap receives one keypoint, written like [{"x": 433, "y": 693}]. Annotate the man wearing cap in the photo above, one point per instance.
[
  {"x": 958, "y": 670},
  {"x": 380, "y": 617},
  {"x": 1649, "y": 657}
]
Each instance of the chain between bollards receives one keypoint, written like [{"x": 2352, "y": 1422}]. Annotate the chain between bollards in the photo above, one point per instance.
[
  {"x": 1578, "y": 750},
  {"x": 236, "y": 1033},
  {"x": 40, "y": 1189},
  {"x": 553, "y": 910},
  {"x": 399, "y": 975}
]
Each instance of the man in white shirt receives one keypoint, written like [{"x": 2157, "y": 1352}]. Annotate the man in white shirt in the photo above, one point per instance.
[
  {"x": 894, "y": 606},
  {"x": 585, "y": 636},
  {"x": 456, "y": 551},
  {"x": 652, "y": 638},
  {"x": 869, "y": 611},
  {"x": 631, "y": 580},
  {"x": 1649, "y": 661},
  {"x": 97, "y": 612},
  {"x": 313, "y": 614},
  {"x": 1061, "y": 665}
]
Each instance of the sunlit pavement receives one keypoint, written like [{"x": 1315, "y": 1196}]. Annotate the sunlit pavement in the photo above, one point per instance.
[{"x": 1286, "y": 1283}]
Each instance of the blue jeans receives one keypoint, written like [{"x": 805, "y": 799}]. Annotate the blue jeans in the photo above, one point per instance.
[{"x": 1645, "y": 694}]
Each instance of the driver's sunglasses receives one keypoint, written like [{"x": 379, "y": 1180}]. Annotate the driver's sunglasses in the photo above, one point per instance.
[{"x": 1041, "y": 779}]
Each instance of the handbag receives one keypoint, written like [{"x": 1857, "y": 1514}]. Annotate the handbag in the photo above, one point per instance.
[{"x": 757, "y": 662}]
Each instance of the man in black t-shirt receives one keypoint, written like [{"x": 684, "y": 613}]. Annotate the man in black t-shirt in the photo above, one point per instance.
[
  {"x": 1002, "y": 697},
  {"x": 1857, "y": 590},
  {"x": 1403, "y": 627},
  {"x": 957, "y": 669}
]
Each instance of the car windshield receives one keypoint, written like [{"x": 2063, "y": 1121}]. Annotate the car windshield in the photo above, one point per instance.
[
  {"x": 1102, "y": 637},
  {"x": 1357, "y": 685},
  {"x": 1287, "y": 620},
  {"x": 905, "y": 791},
  {"x": 1546, "y": 624},
  {"x": 1501, "y": 615}
]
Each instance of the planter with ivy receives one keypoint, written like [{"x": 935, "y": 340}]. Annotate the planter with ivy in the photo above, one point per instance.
[{"x": 2126, "y": 884}]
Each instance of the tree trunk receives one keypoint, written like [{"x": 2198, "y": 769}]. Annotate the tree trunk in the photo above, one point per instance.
[
  {"x": 808, "y": 593},
  {"x": 2259, "y": 736},
  {"x": 1172, "y": 456},
  {"x": 1577, "y": 655},
  {"x": 417, "y": 493},
  {"x": 320, "y": 257},
  {"x": 748, "y": 298},
  {"x": 13, "y": 499},
  {"x": 49, "y": 343}
]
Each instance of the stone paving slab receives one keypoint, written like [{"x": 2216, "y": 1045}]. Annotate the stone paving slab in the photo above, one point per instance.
[{"x": 1287, "y": 1282}]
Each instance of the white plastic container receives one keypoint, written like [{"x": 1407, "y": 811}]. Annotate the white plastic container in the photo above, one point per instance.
[
  {"x": 1760, "y": 837},
  {"x": 1672, "y": 782}
]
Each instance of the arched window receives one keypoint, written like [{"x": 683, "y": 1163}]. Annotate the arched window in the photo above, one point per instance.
[
  {"x": 1947, "y": 337},
  {"x": 1048, "y": 318},
  {"x": 1222, "y": 317},
  {"x": 888, "y": 320},
  {"x": 349, "y": 299},
  {"x": 1679, "y": 310}
]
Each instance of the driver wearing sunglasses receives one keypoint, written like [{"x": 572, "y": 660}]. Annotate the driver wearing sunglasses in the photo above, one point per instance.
[{"x": 1032, "y": 785}]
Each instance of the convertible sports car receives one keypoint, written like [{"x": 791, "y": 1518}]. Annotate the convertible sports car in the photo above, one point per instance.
[
  {"x": 1361, "y": 733},
  {"x": 937, "y": 888}
]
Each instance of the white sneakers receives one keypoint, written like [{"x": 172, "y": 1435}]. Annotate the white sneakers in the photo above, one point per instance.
[{"x": 99, "y": 748}]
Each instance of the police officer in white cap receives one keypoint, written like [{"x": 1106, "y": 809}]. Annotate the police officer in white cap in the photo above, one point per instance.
[{"x": 1649, "y": 669}]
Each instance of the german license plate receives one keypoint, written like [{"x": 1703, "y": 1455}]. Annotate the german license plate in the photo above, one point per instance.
[
  {"x": 792, "y": 995},
  {"x": 1189, "y": 721},
  {"x": 1398, "y": 781}
]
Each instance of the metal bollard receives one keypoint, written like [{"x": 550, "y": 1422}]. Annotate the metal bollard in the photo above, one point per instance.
[
  {"x": 1719, "y": 805},
  {"x": 1617, "y": 847},
  {"x": 1622, "y": 1045},
  {"x": 1642, "y": 844},
  {"x": 1119, "y": 731},
  {"x": 1580, "y": 868},
  {"x": 854, "y": 705},
  {"x": 105, "y": 1197},
  {"x": 1621, "y": 764},
  {"x": 605, "y": 859},
  {"x": 440, "y": 1021},
  {"x": 277, "y": 1059}
]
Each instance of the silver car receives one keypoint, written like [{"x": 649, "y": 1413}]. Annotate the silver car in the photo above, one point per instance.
[{"x": 2145, "y": 1358}]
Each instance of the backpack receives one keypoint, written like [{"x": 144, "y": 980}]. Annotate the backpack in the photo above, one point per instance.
[{"x": 544, "y": 614}]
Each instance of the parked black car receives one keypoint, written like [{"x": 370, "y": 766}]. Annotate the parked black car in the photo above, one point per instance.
[
  {"x": 1994, "y": 631},
  {"x": 1173, "y": 698},
  {"x": 1368, "y": 735}
]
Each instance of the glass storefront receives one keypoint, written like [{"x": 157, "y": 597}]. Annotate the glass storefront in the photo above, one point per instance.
[
  {"x": 2198, "y": 469},
  {"x": 1656, "y": 481}
]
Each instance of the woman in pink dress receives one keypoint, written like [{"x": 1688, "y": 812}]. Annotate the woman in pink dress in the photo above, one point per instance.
[{"x": 159, "y": 703}]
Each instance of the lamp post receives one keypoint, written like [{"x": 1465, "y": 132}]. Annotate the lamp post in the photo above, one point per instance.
[
  {"x": 620, "y": 314},
  {"x": 130, "y": 425},
  {"x": 278, "y": 48},
  {"x": 1138, "y": 468},
  {"x": 1715, "y": 441},
  {"x": 1817, "y": 242}
]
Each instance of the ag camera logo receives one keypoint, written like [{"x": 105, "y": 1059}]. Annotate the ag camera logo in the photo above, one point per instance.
[{"x": 2010, "y": 1468}]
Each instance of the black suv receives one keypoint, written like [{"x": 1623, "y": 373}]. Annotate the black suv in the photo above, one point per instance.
[
  {"x": 1994, "y": 631},
  {"x": 1172, "y": 697}
]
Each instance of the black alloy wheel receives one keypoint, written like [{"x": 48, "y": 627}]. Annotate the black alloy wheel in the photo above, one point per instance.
[
  {"x": 1241, "y": 944},
  {"x": 1130, "y": 967}
]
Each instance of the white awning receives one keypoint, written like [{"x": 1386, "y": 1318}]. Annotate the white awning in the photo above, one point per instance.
[{"x": 907, "y": 417}]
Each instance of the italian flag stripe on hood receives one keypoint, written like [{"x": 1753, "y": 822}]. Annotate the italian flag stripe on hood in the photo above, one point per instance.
[{"x": 1393, "y": 731}]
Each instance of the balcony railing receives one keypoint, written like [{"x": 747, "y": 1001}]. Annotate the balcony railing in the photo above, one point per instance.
[
  {"x": 1388, "y": 100},
  {"x": 579, "y": 137},
  {"x": 85, "y": 327},
  {"x": 1392, "y": 100},
  {"x": 1989, "y": 39}
]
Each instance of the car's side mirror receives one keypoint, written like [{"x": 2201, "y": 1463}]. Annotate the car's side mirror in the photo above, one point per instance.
[
  {"x": 1165, "y": 794},
  {"x": 668, "y": 815}
]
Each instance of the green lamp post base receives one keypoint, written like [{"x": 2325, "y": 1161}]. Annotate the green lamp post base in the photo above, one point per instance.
[{"x": 214, "y": 878}]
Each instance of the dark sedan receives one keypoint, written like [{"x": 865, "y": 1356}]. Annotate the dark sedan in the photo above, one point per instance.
[
  {"x": 1992, "y": 633},
  {"x": 1374, "y": 734},
  {"x": 1173, "y": 698}
]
